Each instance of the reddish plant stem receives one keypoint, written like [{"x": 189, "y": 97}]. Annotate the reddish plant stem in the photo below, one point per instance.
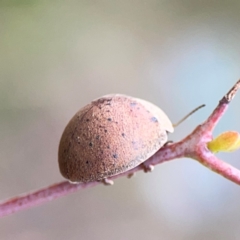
[
  {"x": 214, "y": 118},
  {"x": 209, "y": 160},
  {"x": 63, "y": 188},
  {"x": 40, "y": 196},
  {"x": 193, "y": 146}
]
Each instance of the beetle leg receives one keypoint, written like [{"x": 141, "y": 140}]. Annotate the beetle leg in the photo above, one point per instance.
[
  {"x": 73, "y": 182},
  {"x": 107, "y": 182},
  {"x": 148, "y": 168},
  {"x": 168, "y": 143},
  {"x": 130, "y": 175}
]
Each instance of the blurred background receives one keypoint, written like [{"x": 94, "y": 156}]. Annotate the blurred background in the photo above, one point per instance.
[{"x": 56, "y": 56}]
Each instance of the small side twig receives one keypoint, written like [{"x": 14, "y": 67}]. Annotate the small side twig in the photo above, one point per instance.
[{"x": 193, "y": 146}]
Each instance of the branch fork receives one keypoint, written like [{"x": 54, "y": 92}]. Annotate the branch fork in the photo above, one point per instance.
[{"x": 193, "y": 146}]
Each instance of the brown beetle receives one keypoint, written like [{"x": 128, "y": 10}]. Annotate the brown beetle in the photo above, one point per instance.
[{"x": 111, "y": 135}]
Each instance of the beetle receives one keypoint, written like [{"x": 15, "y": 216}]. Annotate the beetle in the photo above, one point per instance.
[{"x": 111, "y": 135}]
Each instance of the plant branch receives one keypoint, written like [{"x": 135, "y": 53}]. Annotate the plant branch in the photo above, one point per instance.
[{"x": 193, "y": 146}]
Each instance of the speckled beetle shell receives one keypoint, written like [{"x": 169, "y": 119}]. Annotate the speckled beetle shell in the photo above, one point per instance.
[{"x": 111, "y": 135}]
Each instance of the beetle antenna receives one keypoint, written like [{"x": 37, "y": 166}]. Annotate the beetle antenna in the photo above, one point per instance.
[{"x": 188, "y": 115}]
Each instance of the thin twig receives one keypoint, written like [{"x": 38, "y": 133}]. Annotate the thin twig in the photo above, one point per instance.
[{"x": 193, "y": 146}]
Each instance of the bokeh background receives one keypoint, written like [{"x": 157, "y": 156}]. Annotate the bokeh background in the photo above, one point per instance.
[{"x": 56, "y": 56}]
